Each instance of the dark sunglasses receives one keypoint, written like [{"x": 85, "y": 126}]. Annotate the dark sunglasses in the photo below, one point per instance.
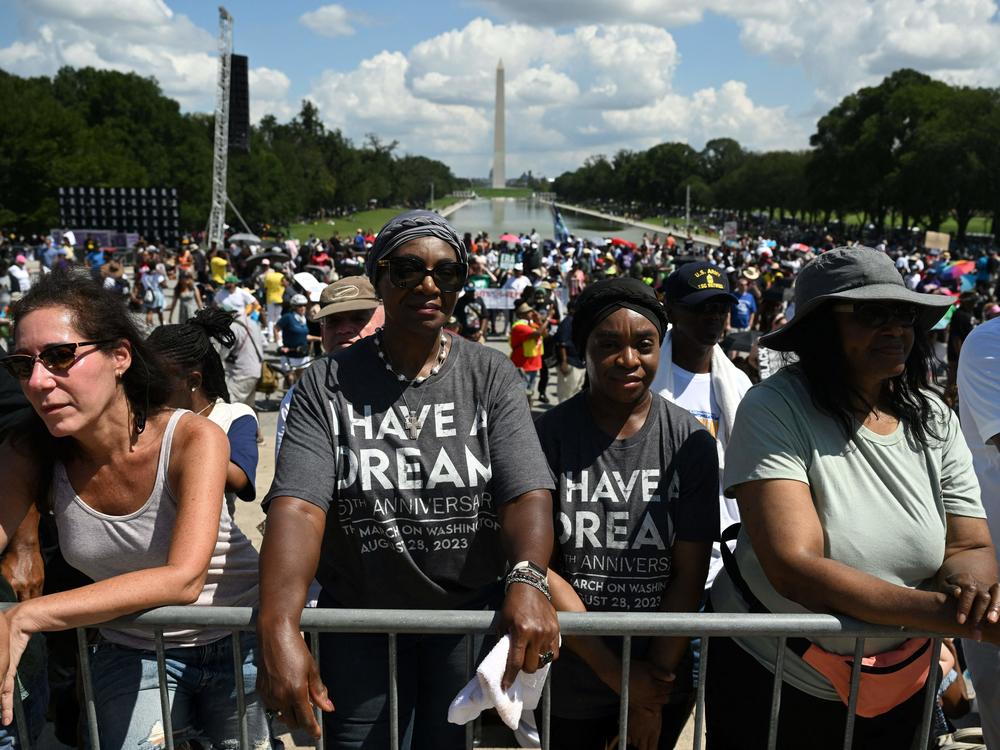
[
  {"x": 409, "y": 273},
  {"x": 55, "y": 358},
  {"x": 878, "y": 314}
]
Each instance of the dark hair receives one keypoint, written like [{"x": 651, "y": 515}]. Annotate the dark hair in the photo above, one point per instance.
[
  {"x": 98, "y": 314},
  {"x": 825, "y": 369},
  {"x": 188, "y": 346}
]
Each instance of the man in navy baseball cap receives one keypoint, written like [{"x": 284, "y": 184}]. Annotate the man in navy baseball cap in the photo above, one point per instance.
[{"x": 694, "y": 283}]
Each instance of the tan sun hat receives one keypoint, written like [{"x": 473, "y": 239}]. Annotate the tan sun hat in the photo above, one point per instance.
[{"x": 348, "y": 293}]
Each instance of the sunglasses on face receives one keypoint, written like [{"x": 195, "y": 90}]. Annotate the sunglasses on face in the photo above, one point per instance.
[
  {"x": 409, "y": 273},
  {"x": 878, "y": 314},
  {"x": 55, "y": 358}
]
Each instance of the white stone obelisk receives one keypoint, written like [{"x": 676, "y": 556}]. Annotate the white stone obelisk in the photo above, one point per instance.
[{"x": 499, "y": 136}]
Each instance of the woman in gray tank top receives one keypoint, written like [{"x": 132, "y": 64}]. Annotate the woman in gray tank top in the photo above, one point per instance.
[{"x": 136, "y": 491}]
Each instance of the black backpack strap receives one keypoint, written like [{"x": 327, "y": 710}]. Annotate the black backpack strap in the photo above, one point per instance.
[{"x": 796, "y": 645}]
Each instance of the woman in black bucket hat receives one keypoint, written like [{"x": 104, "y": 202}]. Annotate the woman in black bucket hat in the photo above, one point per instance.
[{"x": 857, "y": 497}]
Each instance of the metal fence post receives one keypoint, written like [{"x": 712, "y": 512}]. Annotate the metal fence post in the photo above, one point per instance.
[
  {"x": 317, "y": 711},
  {"x": 623, "y": 700},
  {"x": 88, "y": 688},
  {"x": 161, "y": 678},
  {"x": 779, "y": 672},
  {"x": 852, "y": 703},
  {"x": 241, "y": 696},
  {"x": 699, "y": 706},
  {"x": 393, "y": 694}
]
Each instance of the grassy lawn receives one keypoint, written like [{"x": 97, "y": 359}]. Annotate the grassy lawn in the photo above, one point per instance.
[
  {"x": 503, "y": 192},
  {"x": 347, "y": 225}
]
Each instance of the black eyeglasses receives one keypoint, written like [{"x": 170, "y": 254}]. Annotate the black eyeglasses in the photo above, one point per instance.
[
  {"x": 55, "y": 358},
  {"x": 409, "y": 273},
  {"x": 878, "y": 314}
]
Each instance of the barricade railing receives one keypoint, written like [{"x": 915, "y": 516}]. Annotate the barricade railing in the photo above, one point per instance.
[{"x": 470, "y": 623}]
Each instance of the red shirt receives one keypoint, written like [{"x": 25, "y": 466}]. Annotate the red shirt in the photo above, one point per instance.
[{"x": 526, "y": 352}]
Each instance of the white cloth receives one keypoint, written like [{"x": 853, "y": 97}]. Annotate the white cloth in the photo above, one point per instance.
[
  {"x": 979, "y": 396},
  {"x": 483, "y": 692},
  {"x": 729, "y": 385}
]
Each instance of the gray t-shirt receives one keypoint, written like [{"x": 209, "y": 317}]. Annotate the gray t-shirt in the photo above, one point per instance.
[
  {"x": 414, "y": 521},
  {"x": 882, "y": 501},
  {"x": 619, "y": 507}
]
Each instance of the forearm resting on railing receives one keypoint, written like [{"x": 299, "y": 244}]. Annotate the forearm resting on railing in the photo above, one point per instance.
[
  {"x": 827, "y": 586},
  {"x": 289, "y": 556}
]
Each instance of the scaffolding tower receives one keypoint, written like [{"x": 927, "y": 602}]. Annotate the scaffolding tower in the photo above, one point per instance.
[{"x": 217, "y": 215}]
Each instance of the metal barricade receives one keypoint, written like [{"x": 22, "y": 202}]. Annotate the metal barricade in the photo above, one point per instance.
[{"x": 471, "y": 623}]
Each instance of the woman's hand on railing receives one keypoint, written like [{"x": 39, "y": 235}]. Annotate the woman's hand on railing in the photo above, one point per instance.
[
  {"x": 531, "y": 622},
  {"x": 977, "y": 602},
  {"x": 13, "y": 642},
  {"x": 288, "y": 680}
]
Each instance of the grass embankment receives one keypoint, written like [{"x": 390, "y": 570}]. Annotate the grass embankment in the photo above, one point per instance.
[
  {"x": 347, "y": 225},
  {"x": 503, "y": 192}
]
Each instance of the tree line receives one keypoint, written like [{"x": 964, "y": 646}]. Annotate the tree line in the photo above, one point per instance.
[
  {"x": 909, "y": 151},
  {"x": 105, "y": 128}
]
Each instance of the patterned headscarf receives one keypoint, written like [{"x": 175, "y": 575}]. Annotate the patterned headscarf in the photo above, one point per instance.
[{"x": 411, "y": 226}]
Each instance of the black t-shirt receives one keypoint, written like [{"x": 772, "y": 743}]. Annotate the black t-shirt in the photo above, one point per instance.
[
  {"x": 411, "y": 522},
  {"x": 470, "y": 314},
  {"x": 620, "y": 505},
  {"x": 564, "y": 340}
]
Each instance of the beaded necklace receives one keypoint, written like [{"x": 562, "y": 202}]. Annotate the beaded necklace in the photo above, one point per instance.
[{"x": 412, "y": 421}]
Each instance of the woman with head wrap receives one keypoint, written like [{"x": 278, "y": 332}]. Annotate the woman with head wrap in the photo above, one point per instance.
[
  {"x": 409, "y": 477},
  {"x": 637, "y": 511}
]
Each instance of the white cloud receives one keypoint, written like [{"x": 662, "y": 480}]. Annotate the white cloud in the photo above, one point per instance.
[
  {"x": 142, "y": 36},
  {"x": 269, "y": 94},
  {"x": 329, "y": 20},
  {"x": 570, "y": 94},
  {"x": 840, "y": 44}
]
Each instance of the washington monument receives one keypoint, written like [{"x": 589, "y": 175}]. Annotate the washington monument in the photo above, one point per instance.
[{"x": 499, "y": 136}]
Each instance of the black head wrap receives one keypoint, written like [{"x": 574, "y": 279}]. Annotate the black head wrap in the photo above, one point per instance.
[
  {"x": 602, "y": 298},
  {"x": 411, "y": 226}
]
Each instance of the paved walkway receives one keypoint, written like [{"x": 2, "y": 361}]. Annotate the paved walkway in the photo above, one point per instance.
[{"x": 702, "y": 238}]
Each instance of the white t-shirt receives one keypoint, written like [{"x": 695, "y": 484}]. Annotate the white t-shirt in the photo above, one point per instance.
[
  {"x": 517, "y": 283},
  {"x": 979, "y": 399},
  {"x": 23, "y": 279},
  {"x": 693, "y": 391}
]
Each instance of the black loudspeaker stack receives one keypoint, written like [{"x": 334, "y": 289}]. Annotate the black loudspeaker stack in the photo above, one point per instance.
[
  {"x": 239, "y": 104},
  {"x": 152, "y": 212}
]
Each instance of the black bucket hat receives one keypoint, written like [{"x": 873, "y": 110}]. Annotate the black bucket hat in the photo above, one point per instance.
[{"x": 853, "y": 274}]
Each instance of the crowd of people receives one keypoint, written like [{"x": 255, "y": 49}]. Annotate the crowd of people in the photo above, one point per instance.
[{"x": 744, "y": 428}]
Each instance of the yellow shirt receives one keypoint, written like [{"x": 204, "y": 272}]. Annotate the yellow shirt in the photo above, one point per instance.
[
  {"x": 273, "y": 287},
  {"x": 218, "y": 266}
]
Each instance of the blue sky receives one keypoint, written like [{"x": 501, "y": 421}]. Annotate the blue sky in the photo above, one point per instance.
[{"x": 584, "y": 76}]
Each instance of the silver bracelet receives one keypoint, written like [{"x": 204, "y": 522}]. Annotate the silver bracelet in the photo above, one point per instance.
[{"x": 536, "y": 582}]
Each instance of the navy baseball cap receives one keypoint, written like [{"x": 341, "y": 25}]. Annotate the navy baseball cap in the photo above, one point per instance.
[{"x": 693, "y": 283}]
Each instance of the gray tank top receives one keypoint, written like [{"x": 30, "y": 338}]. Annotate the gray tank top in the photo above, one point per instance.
[{"x": 103, "y": 546}]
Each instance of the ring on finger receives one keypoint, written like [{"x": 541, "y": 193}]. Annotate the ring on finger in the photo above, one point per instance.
[{"x": 545, "y": 658}]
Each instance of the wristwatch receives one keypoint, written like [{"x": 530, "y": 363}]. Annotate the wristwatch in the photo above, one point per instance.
[{"x": 527, "y": 565}]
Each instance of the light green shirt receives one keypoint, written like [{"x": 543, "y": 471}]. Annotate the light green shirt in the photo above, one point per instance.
[{"x": 882, "y": 501}]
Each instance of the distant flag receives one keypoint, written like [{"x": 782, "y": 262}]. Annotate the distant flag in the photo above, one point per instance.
[{"x": 559, "y": 226}]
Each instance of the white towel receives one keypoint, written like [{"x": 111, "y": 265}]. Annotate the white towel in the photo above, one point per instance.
[
  {"x": 729, "y": 384},
  {"x": 514, "y": 706}
]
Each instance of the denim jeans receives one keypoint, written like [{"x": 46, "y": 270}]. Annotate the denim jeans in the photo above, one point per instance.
[{"x": 202, "y": 690}]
